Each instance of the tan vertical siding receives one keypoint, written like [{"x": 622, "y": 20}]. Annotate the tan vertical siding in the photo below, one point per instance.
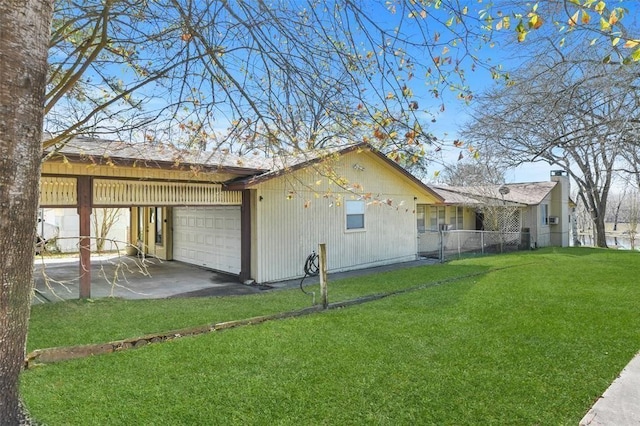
[
  {"x": 469, "y": 218},
  {"x": 305, "y": 208}
]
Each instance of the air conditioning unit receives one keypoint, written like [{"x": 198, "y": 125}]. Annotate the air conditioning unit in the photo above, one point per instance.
[{"x": 553, "y": 220}]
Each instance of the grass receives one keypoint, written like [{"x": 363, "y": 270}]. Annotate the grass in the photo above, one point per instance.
[
  {"x": 78, "y": 322},
  {"x": 535, "y": 340}
]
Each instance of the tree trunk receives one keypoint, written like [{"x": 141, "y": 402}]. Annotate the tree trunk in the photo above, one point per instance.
[
  {"x": 24, "y": 39},
  {"x": 599, "y": 231},
  {"x": 616, "y": 216}
]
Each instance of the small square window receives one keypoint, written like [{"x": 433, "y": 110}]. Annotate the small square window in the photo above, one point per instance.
[{"x": 355, "y": 214}]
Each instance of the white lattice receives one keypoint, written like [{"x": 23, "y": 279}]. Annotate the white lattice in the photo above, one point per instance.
[{"x": 502, "y": 219}]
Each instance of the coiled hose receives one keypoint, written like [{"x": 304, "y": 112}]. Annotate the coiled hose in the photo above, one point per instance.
[{"x": 311, "y": 269}]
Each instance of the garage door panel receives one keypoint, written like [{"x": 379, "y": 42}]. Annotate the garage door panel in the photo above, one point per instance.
[
  {"x": 208, "y": 236},
  {"x": 231, "y": 243}
]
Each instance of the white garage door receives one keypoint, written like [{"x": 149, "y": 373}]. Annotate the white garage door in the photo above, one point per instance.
[{"x": 208, "y": 236}]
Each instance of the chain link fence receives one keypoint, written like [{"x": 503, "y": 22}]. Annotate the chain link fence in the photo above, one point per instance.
[{"x": 456, "y": 244}]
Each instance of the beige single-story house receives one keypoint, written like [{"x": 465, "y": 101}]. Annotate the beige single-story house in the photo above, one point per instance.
[
  {"x": 541, "y": 210},
  {"x": 257, "y": 218}
]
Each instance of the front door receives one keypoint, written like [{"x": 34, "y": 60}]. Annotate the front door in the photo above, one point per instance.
[
  {"x": 155, "y": 238},
  {"x": 479, "y": 221}
]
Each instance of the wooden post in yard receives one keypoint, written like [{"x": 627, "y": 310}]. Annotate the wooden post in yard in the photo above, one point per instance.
[{"x": 323, "y": 275}]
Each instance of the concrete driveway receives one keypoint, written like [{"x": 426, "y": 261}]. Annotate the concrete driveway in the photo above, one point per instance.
[{"x": 132, "y": 278}]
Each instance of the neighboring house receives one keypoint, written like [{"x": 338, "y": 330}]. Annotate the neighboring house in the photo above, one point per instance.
[
  {"x": 67, "y": 227},
  {"x": 255, "y": 218},
  {"x": 539, "y": 210}
]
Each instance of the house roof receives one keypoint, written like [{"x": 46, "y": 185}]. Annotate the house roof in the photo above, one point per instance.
[
  {"x": 249, "y": 170},
  {"x": 529, "y": 194},
  {"x": 282, "y": 164},
  {"x": 158, "y": 155},
  {"x": 287, "y": 164}
]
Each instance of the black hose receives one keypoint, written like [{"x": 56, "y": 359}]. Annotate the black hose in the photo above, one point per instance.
[
  {"x": 311, "y": 269},
  {"x": 312, "y": 265}
]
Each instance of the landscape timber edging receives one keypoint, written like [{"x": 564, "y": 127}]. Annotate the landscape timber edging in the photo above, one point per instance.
[{"x": 64, "y": 353}]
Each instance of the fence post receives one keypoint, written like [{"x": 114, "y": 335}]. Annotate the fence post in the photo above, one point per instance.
[
  {"x": 441, "y": 248},
  {"x": 322, "y": 253},
  {"x": 482, "y": 241}
]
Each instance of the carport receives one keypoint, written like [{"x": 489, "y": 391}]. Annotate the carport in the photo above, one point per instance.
[
  {"x": 160, "y": 185},
  {"x": 129, "y": 277}
]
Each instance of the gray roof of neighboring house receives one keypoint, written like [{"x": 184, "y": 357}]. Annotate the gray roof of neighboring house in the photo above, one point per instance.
[
  {"x": 101, "y": 150},
  {"x": 530, "y": 194}
]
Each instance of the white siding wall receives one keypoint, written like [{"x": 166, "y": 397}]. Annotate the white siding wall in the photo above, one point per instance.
[
  {"x": 543, "y": 234},
  {"x": 68, "y": 223},
  {"x": 302, "y": 209}
]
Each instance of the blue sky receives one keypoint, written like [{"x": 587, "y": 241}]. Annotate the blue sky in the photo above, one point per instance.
[
  {"x": 456, "y": 113},
  {"x": 448, "y": 122}
]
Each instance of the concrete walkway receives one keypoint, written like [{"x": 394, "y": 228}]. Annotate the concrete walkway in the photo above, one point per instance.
[{"x": 620, "y": 404}]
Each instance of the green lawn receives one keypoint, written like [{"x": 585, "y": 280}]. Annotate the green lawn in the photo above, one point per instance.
[
  {"x": 81, "y": 322},
  {"x": 534, "y": 340}
]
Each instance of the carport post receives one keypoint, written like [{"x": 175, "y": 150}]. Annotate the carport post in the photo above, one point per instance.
[
  {"x": 85, "y": 198},
  {"x": 245, "y": 236}
]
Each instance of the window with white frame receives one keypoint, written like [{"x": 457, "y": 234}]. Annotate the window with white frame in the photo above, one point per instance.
[
  {"x": 544, "y": 214},
  {"x": 421, "y": 217},
  {"x": 355, "y": 214},
  {"x": 456, "y": 217},
  {"x": 437, "y": 216}
]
